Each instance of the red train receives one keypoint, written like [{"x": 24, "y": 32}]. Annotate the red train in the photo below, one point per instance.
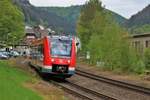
[{"x": 55, "y": 55}]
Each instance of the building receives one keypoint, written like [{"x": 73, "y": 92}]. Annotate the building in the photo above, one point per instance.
[
  {"x": 35, "y": 32},
  {"x": 40, "y": 31},
  {"x": 30, "y": 35},
  {"x": 140, "y": 41}
]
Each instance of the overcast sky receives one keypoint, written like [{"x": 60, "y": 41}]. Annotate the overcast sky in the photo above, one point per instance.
[{"x": 125, "y": 8}]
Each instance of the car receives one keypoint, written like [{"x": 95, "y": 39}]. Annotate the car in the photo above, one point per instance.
[
  {"x": 3, "y": 56},
  {"x": 6, "y": 53},
  {"x": 14, "y": 53}
]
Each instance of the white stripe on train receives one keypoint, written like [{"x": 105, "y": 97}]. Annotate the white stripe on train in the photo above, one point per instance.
[{"x": 50, "y": 67}]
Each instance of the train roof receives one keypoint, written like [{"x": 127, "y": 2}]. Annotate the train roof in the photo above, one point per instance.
[{"x": 61, "y": 37}]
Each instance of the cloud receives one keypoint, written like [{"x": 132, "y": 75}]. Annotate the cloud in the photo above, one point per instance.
[{"x": 56, "y": 2}]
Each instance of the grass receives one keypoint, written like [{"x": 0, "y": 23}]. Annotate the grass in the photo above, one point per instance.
[{"x": 11, "y": 84}]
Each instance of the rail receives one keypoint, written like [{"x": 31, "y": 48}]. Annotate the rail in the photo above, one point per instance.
[
  {"x": 83, "y": 92},
  {"x": 114, "y": 82}
]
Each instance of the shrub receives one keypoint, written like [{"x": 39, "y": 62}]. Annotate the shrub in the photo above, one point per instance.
[{"x": 139, "y": 68}]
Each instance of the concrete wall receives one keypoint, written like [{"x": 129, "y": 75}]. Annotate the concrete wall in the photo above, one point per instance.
[{"x": 140, "y": 43}]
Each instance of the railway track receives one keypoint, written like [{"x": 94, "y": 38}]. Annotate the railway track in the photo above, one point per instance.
[
  {"x": 125, "y": 85},
  {"x": 90, "y": 94},
  {"x": 79, "y": 91},
  {"x": 82, "y": 92}
]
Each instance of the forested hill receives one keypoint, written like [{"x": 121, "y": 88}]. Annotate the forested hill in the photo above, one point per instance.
[
  {"x": 58, "y": 18},
  {"x": 34, "y": 15},
  {"x": 140, "y": 22},
  {"x": 72, "y": 13},
  {"x": 141, "y": 18}
]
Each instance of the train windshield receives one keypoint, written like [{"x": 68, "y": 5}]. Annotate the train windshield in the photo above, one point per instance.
[{"x": 61, "y": 48}]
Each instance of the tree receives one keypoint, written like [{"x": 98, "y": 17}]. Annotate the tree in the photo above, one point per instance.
[
  {"x": 112, "y": 46},
  {"x": 11, "y": 22},
  {"x": 84, "y": 24},
  {"x": 107, "y": 41}
]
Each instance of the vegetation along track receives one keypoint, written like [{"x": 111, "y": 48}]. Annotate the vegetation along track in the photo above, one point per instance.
[
  {"x": 75, "y": 89},
  {"x": 82, "y": 92},
  {"x": 126, "y": 85}
]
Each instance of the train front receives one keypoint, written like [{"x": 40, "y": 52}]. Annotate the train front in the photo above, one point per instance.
[{"x": 62, "y": 56}]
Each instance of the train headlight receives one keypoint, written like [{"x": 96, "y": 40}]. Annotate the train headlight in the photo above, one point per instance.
[
  {"x": 68, "y": 61},
  {"x": 52, "y": 60}
]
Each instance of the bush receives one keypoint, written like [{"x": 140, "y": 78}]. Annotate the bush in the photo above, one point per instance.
[{"x": 139, "y": 68}]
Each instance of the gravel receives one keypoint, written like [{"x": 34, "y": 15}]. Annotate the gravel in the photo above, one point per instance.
[{"x": 110, "y": 90}]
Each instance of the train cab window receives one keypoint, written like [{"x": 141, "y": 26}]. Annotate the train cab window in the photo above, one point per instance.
[{"x": 61, "y": 48}]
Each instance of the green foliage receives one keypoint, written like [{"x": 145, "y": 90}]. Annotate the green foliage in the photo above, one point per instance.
[
  {"x": 106, "y": 40},
  {"x": 139, "y": 67},
  {"x": 11, "y": 22},
  {"x": 94, "y": 49},
  {"x": 11, "y": 84},
  {"x": 147, "y": 58},
  {"x": 87, "y": 15},
  {"x": 70, "y": 13},
  {"x": 141, "y": 29}
]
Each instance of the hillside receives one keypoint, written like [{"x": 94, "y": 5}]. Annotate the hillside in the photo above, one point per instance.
[
  {"x": 58, "y": 18},
  {"x": 72, "y": 13},
  {"x": 34, "y": 15},
  {"x": 140, "y": 22}
]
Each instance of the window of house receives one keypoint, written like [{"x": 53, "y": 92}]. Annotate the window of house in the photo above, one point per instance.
[{"x": 147, "y": 43}]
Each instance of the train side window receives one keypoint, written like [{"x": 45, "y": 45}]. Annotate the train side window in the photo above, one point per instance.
[
  {"x": 34, "y": 52},
  {"x": 40, "y": 52},
  {"x": 37, "y": 52}
]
